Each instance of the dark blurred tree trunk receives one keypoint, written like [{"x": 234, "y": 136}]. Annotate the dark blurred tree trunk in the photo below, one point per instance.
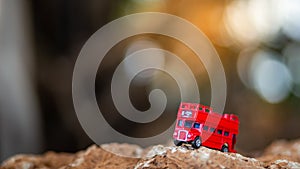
[{"x": 20, "y": 129}]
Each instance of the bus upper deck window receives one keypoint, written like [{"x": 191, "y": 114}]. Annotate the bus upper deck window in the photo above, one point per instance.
[{"x": 205, "y": 128}]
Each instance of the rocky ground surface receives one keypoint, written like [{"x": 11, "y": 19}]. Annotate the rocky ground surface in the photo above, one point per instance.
[{"x": 280, "y": 154}]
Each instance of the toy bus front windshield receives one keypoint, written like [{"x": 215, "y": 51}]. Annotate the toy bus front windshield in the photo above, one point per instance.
[{"x": 188, "y": 124}]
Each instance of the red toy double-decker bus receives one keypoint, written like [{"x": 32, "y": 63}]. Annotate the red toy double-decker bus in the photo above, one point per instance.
[{"x": 195, "y": 123}]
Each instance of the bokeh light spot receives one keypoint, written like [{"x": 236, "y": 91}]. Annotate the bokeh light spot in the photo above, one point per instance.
[{"x": 270, "y": 77}]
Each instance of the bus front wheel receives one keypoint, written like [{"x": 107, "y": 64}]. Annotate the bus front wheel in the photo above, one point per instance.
[{"x": 196, "y": 143}]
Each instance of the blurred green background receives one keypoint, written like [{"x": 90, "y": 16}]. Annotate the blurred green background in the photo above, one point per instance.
[{"x": 257, "y": 41}]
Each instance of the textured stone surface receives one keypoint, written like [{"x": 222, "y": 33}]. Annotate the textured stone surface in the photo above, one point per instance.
[{"x": 280, "y": 154}]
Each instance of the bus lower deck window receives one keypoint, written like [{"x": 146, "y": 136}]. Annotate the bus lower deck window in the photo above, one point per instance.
[
  {"x": 220, "y": 131},
  {"x": 205, "y": 128},
  {"x": 196, "y": 125},
  {"x": 179, "y": 123},
  {"x": 188, "y": 124},
  {"x": 212, "y": 129}
]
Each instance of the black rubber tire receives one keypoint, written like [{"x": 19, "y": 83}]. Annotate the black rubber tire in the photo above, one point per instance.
[
  {"x": 196, "y": 143},
  {"x": 225, "y": 149},
  {"x": 177, "y": 143}
]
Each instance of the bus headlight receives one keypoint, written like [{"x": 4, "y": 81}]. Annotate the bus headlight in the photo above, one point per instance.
[
  {"x": 175, "y": 134},
  {"x": 189, "y": 135}
]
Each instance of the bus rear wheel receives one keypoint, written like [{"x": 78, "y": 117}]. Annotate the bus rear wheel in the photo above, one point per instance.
[
  {"x": 177, "y": 143},
  {"x": 225, "y": 149},
  {"x": 196, "y": 143}
]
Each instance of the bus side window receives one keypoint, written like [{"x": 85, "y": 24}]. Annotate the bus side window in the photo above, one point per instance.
[
  {"x": 179, "y": 123},
  {"x": 220, "y": 132},
  {"x": 226, "y": 133},
  {"x": 205, "y": 128},
  {"x": 196, "y": 125},
  {"x": 212, "y": 129}
]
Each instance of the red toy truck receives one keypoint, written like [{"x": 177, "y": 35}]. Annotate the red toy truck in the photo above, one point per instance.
[{"x": 194, "y": 125}]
